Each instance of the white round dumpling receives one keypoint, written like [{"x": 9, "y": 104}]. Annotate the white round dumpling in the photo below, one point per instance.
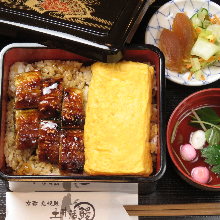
[{"x": 197, "y": 139}]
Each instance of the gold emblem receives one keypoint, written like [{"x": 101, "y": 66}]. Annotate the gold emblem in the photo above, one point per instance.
[{"x": 67, "y": 8}]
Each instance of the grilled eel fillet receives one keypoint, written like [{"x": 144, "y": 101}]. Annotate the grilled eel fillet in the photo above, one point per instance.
[{"x": 50, "y": 118}]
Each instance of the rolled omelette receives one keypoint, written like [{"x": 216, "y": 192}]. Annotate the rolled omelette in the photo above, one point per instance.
[{"x": 117, "y": 124}]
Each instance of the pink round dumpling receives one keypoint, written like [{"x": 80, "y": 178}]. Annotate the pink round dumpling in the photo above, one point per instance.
[
  {"x": 200, "y": 174},
  {"x": 187, "y": 152}
]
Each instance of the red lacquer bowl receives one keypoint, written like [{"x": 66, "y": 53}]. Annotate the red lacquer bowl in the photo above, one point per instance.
[{"x": 179, "y": 130}]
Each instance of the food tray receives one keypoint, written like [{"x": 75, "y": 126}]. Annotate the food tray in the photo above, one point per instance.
[{"x": 171, "y": 189}]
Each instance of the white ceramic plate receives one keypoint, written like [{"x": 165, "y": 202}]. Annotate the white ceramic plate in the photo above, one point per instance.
[{"x": 163, "y": 18}]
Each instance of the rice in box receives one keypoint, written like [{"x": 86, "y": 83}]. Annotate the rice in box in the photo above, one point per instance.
[{"x": 74, "y": 75}]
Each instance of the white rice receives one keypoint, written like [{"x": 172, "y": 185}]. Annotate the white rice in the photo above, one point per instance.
[{"x": 74, "y": 74}]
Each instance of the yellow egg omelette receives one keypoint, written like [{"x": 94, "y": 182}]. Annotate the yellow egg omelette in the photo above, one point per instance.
[{"x": 117, "y": 124}]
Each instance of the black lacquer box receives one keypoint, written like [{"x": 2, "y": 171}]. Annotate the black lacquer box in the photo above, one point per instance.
[
  {"x": 83, "y": 30},
  {"x": 93, "y": 28},
  {"x": 29, "y": 53}
]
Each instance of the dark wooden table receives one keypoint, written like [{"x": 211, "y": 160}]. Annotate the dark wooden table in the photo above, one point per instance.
[{"x": 171, "y": 189}]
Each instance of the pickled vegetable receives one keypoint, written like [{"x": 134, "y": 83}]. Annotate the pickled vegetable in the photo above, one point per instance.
[
  {"x": 183, "y": 28},
  {"x": 177, "y": 43},
  {"x": 192, "y": 44},
  {"x": 170, "y": 45}
]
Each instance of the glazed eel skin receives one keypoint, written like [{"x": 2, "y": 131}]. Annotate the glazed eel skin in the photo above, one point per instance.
[{"x": 49, "y": 118}]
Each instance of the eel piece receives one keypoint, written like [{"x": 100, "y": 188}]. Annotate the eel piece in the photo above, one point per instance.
[
  {"x": 51, "y": 99},
  {"x": 28, "y": 90},
  {"x": 73, "y": 115},
  {"x": 72, "y": 151},
  {"x": 27, "y": 128},
  {"x": 49, "y": 141}
]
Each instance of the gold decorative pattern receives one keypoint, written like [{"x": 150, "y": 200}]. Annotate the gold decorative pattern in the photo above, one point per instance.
[
  {"x": 78, "y": 11},
  {"x": 82, "y": 21},
  {"x": 68, "y": 8}
]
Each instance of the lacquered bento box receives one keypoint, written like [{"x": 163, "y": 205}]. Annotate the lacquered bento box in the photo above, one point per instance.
[
  {"x": 85, "y": 27},
  {"x": 35, "y": 52}
]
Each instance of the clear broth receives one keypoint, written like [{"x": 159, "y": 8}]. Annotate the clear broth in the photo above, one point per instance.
[{"x": 182, "y": 137}]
